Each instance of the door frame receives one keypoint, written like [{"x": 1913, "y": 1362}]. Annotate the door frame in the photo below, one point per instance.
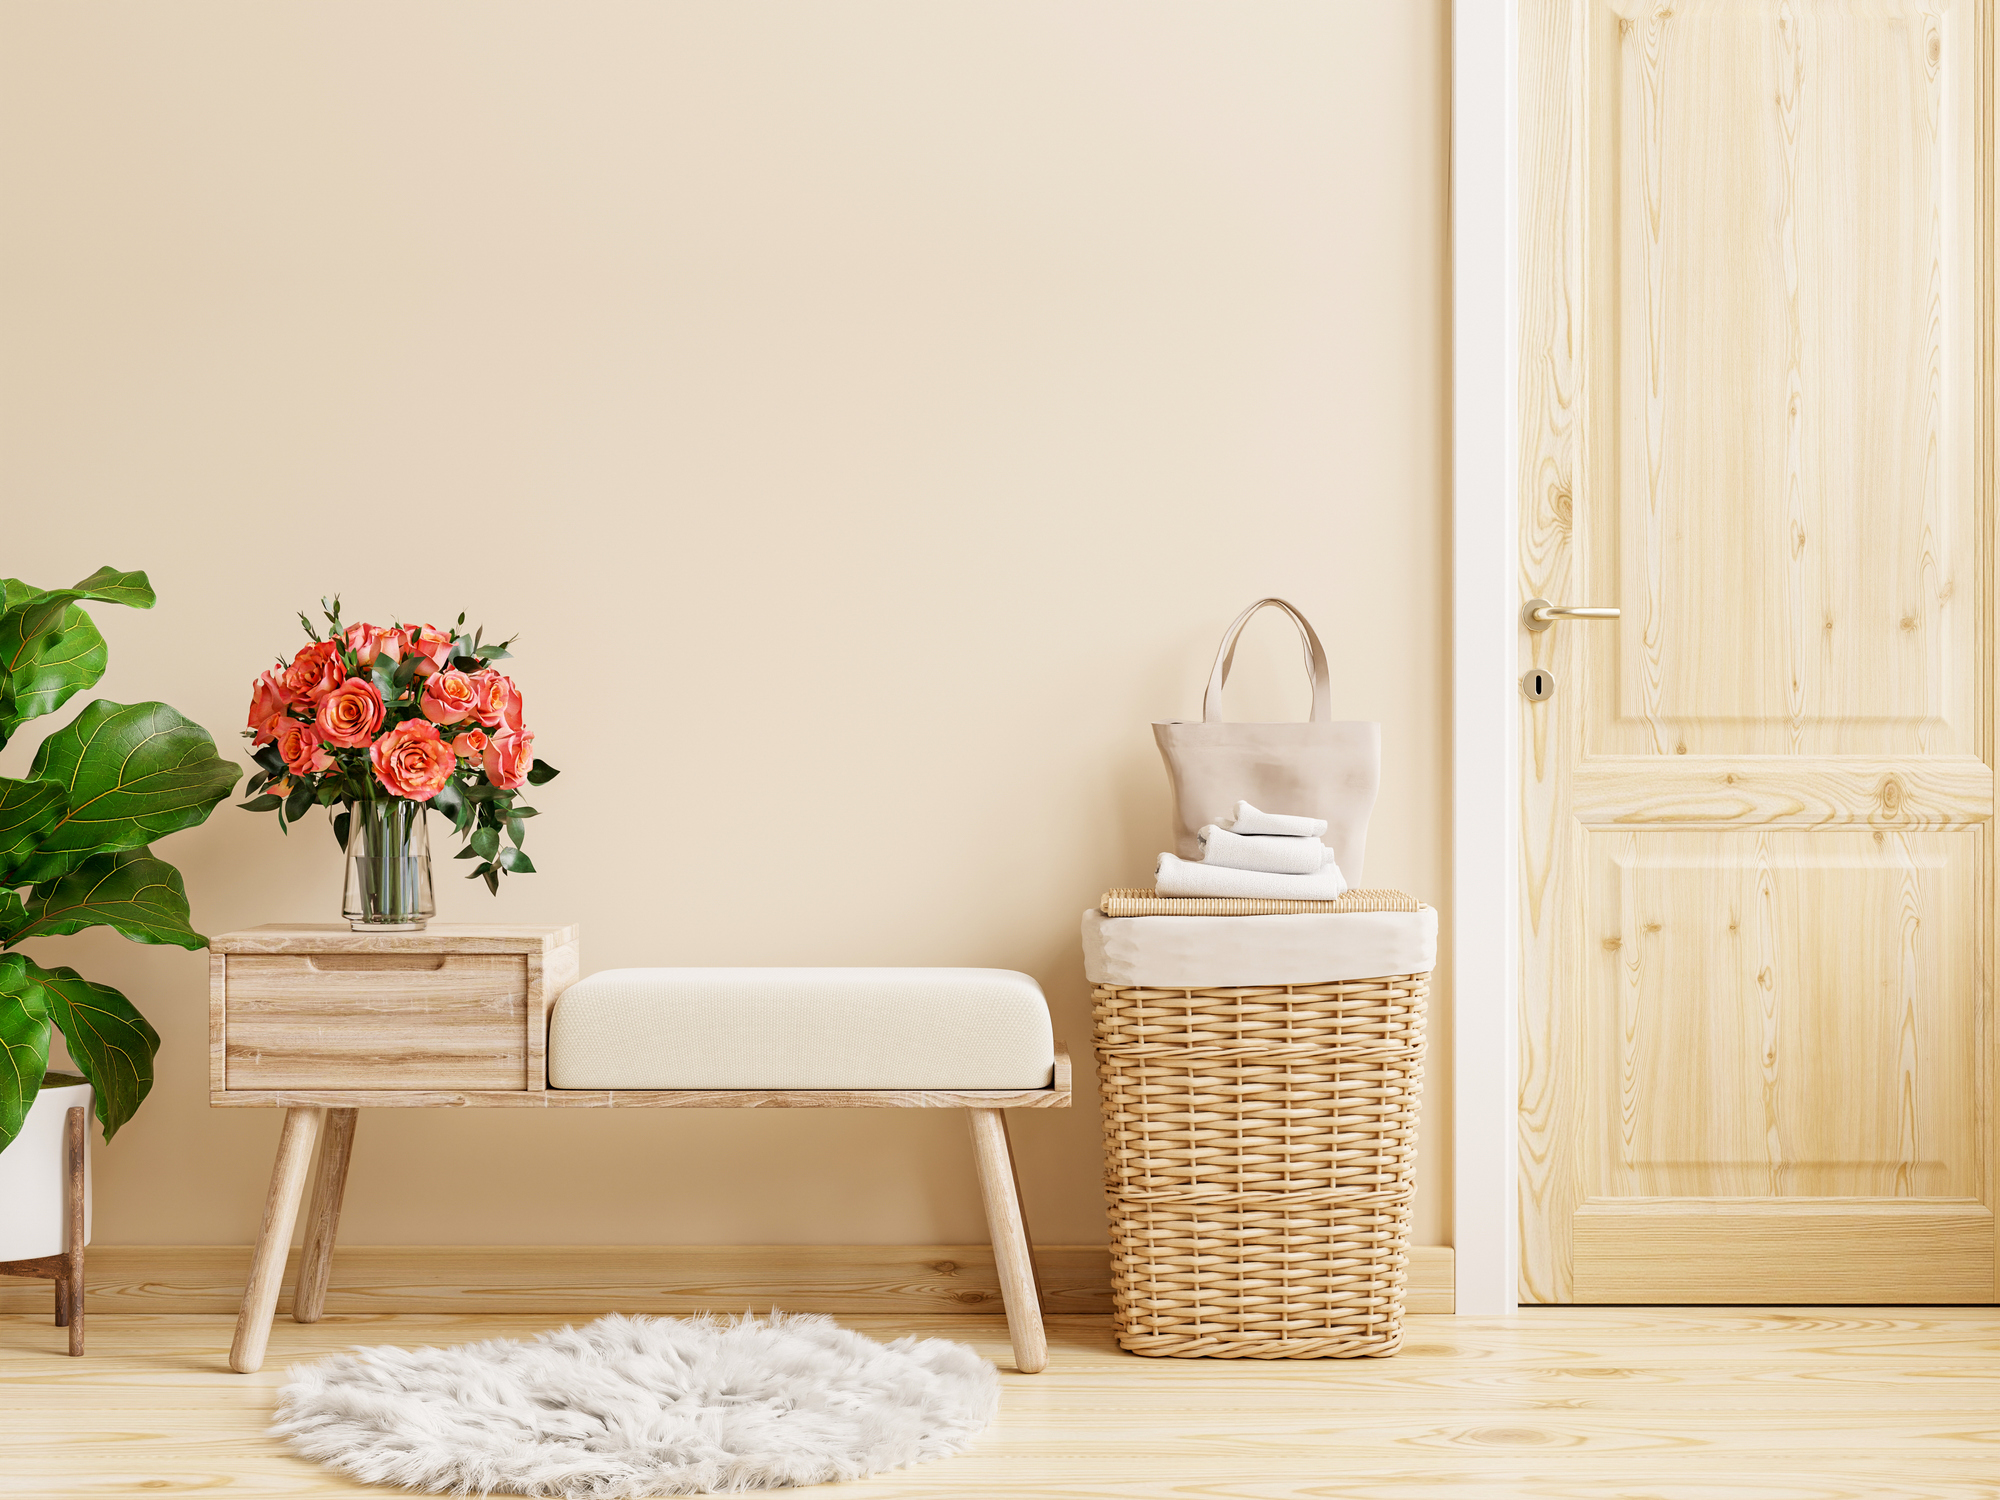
[{"x": 1485, "y": 812}]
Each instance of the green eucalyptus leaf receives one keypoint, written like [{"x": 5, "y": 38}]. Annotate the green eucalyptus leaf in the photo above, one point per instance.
[
  {"x": 299, "y": 801},
  {"x": 110, "y": 1042},
  {"x": 267, "y": 756},
  {"x": 540, "y": 772},
  {"x": 468, "y": 852},
  {"x": 342, "y": 821},
  {"x": 479, "y": 870},
  {"x": 132, "y": 891},
  {"x": 265, "y": 803},
  {"x": 515, "y": 831},
  {"x": 492, "y": 880},
  {"x": 132, "y": 773},
  {"x": 514, "y": 862},
  {"x": 486, "y": 843},
  {"x": 24, "y": 1043},
  {"x": 28, "y": 810}
]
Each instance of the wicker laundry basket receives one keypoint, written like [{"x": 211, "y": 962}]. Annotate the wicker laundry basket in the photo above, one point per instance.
[{"x": 1260, "y": 1154}]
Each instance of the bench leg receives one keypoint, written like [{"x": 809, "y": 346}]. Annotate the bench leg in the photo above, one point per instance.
[
  {"x": 281, "y": 1211},
  {"x": 323, "y": 1218},
  {"x": 1012, "y": 1253}
]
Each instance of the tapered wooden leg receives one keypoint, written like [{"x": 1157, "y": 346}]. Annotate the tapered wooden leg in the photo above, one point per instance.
[
  {"x": 72, "y": 1304},
  {"x": 1011, "y": 1252},
  {"x": 323, "y": 1218},
  {"x": 281, "y": 1211}
]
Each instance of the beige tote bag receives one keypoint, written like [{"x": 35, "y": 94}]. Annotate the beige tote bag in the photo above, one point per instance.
[{"x": 1319, "y": 769}]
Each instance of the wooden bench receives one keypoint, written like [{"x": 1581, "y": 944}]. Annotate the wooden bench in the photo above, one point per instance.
[{"x": 323, "y": 1022}]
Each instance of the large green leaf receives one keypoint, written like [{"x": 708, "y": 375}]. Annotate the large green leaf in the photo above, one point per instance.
[
  {"x": 24, "y": 1043},
  {"x": 131, "y": 773},
  {"x": 52, "y": 670},
  {"x": 49, "y": 648},
  {"x": 132, "y": 891},
  {"x": 42, "y": 612},
  {"x": 28, "y": 810},
  {"x": 110, "y": 1042}
]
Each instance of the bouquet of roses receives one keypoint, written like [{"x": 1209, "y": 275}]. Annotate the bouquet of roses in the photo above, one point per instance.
[{"x": 371, "y": 713}]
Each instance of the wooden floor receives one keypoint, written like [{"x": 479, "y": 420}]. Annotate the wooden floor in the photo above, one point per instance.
[{"x": 1670, "y": 1404}]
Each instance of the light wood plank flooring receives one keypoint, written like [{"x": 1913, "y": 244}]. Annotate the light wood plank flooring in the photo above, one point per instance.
[{"x": 1668, "y": 1404}]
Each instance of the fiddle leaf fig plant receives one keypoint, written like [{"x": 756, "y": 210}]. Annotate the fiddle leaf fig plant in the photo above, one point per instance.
[{"x": 76, "y": 837}]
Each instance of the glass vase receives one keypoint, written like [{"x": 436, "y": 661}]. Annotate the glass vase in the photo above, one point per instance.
[{"x": 388, "y": 867}]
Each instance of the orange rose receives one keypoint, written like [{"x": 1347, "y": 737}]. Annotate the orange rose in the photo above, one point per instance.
[
  {"x": 449, "y": 697},
  {"x": 431, "y": 645},
  {"x": 471, "y": 745},
  {"x": 499, "y": 701},
  {"x": 268, "y": 703},
  {"x": 509, "y": 756},
  {"x": 300, "y": 746},
  {"x": 412, "y": 760},
  {"x": 350, "y": 715},
  {"x": 369, "y": 641},
  {"x": 314, "y": 672}
]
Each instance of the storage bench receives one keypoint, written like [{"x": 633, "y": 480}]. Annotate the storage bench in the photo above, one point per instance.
[{"x": 322, "y": 1022}]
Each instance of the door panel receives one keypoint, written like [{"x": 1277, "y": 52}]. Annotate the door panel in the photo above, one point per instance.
[{"x": 1756, "y": 261}]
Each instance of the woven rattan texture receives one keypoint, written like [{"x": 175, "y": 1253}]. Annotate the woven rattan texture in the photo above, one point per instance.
[
  {"x": 1124, "y": 903},
  {"x": 1260, "y": 1159}
]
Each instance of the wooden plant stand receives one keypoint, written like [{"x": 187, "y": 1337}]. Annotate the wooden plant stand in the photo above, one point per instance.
[{"x": 65, "y": 1269}]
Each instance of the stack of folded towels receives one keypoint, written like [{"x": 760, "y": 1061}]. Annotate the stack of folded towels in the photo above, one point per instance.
[{"x": 1257, "y": 855}]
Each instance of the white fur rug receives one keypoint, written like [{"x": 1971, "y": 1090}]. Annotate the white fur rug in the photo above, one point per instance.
[{"x": 640, "y": 1406}]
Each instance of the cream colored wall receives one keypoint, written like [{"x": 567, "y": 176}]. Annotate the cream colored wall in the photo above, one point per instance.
[{"x": 868, "y": 414}]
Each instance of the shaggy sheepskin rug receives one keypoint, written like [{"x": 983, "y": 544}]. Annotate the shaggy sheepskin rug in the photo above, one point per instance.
[{"x": 640, "y": 1406}]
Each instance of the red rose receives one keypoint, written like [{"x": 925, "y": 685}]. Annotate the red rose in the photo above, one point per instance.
[
  {"x": 350, "y": 715},
  {"x": 412, "y": 760},
  {"x": 268, "y": 703},
  {"x": 498, "y": 700},
  {"x": 509, "y": 756},
  {"x": 300, "y": 746},
  {"x": 449, "y": 697}
]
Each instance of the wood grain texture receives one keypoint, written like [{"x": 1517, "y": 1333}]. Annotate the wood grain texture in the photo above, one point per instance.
[
  {"x": 336, "y": 1151},
  {"x": 1756, "y": 325},
  {"x": 438, "y": 937},
  {"x": 1803, "y": 791},
  {"x": 1057, "y": 1096},
  {"x": 377, "y": 1020},
  {"x": 267, "y": 1260},
  {"x": 1765, "y": 1250},
  {"x": 1012, "y": 1255},
  {"x": 1557, "y": 1404},
  {"x": 565, "y": 1281}
]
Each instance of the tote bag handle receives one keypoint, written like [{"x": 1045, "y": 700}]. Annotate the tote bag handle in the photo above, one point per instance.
[{"x": 1225, "y": 658}]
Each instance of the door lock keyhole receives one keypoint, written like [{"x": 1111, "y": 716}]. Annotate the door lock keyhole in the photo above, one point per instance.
[{"x": 1537, "y": 683}]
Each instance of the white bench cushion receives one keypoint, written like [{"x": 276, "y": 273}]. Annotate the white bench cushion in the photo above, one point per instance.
[
  {"x": 802, "y": 1029},
  {"x": 1222, "y": 952}
]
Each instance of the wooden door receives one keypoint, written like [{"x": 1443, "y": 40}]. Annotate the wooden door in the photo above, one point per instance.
[{"x": 1756, "y": 415}]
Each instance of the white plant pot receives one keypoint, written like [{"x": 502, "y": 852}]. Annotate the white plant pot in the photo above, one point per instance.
[{"x": 34, "y": 1176}]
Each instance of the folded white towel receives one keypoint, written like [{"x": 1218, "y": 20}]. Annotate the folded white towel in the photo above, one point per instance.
[
  {"x": 1274, "y": 856},
  {"x": 1185, "y": 877},
  {"x": 1249, "y": 820}
]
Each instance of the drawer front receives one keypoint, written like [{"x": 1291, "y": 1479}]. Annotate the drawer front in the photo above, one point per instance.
[{"x": 376, "y": 1021}]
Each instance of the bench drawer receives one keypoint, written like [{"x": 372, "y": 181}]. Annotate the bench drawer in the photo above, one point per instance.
[{"x": 401, "y": 1020}]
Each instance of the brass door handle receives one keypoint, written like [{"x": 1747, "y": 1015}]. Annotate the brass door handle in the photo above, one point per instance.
[{"x": 1539, "y": 614}]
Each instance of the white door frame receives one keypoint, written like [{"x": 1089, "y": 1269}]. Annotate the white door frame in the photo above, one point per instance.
[{"x": 1486, "y": 794}]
